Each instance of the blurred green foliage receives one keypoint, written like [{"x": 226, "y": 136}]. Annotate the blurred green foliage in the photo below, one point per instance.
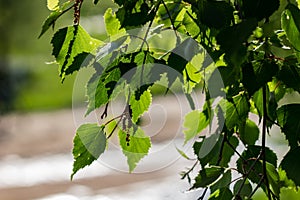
[{"x": 26, "y": 82}]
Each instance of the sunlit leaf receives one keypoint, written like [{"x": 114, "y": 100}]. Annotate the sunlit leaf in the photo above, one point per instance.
[
  {"x": 52, "y": 4},
  {"x": 68, "y": 43},
  {"x": 236, "y": 111},
  {"x": 89, "y": 144},
  {"x": 141, "y": 105},
  {"x": 137, "y": 147},
  {"x": 194, "y": 123},
  {"x": 112, "y": 24}
]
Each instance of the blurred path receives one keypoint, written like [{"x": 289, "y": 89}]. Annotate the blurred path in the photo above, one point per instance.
[{"x": 36, "y": 160}]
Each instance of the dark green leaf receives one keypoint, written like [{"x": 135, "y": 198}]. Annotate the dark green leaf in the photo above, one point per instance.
[
  {"x": 242, "y": 189},
  {"x": 235, "y": 112},
  {"x": 290, "y": 75},
  {"x": 221, "y": 194},
  {"x": 89, "y": 144},
  {"x": 290, "y": 21},
  {"x": 249, "y": 132},
  {"x": 291, "y": 165},
  {"x": 289, "y": 120},
  {"x": 257, "y": 74},
  {"x": 273, "y": 178},
  {"x": 216, "y": 14},
  {"x": 83, "y": 59},
  {"x": 250, "y": 155},
  {"x": 207, "y": 149},
  {"x": 96, "y": 1},
  {"x": 51, "y": 19},
  {"x": 232, "y": 40},
  {"x": 207, "y": 176},
  {"x": 228, "y": 152},
  {"x": 223, "y": 182},
  {"x": 259, "y": 9}
]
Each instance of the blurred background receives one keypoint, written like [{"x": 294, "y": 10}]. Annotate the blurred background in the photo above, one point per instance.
[{"x": 37, "y": 122}]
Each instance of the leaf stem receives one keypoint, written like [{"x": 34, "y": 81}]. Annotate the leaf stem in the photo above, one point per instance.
[
  {"x": 169, "y": 15},
  {"x": 263, "y": 145},
  {"x": 203, "y": 194}
]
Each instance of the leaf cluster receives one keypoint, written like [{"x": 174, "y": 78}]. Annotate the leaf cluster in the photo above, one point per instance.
[{"x": 244, "y": 60}]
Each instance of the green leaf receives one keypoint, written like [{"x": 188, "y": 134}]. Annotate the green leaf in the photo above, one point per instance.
[
  {"x": 207, "y": 176},
  {"x": 52, "y": 4},
  {"x": 288, "y": 118},
  {"x": 250, "y": 154},
  {"x": 291, "y": 165},
  {"x": 216, "y": 14},
  {"x": 290, "y": 75},
  {"x": 236, "y": 111},
  {"x": 51, "y": 19},
  {"x": 89, "y": 144},
  {"x": 221, "y": 194},
  {"x": 137, "y": 147},
  {"x": 259, "y": 9},
  {"x": 112, "y": 24},
  {"x": 190, "y": 25},
  {"x": 284, "y": 180},
  {"x": 141, "y": 105},
  {"x": 228, "y": 152},
  {"x": 223, "y": 182},
  {"x": 249, "y": 132},
  {"x": 290, "y": 22},
  {"x": 83, "y": 59},
  {"x": 232, "y": 41},
  {"x": 140, "y": 16},
  {"x": 273, "y": 178},
  {"x": 100, "y": 89},
  {"x": 183, "y": 154},
  {"x": 242, "y": 189},
  {"x": 68, "y": 43},
  {"x": 194, "y": 122}
]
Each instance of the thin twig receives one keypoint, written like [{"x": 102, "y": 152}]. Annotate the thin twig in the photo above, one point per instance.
[
  {"x": 203, "y": 194},
  {"x": 256, "y": 188},
  {"x": 221, "y": 149},
  {"x": 170, "y": 17},
  {"x": 144, "y": 41},
  {"x": 114, "y": 128},
  {"x": 246, "y": 175},
  {"x": 263, "y": 145}
]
